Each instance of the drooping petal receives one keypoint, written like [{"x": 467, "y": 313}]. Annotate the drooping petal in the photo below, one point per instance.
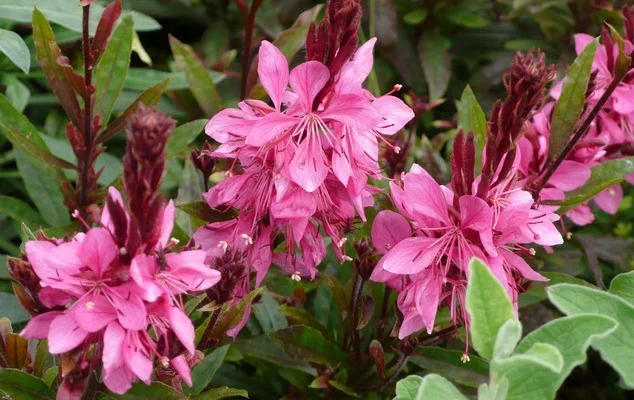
[
  {"x": 412, "y": 323},
  {"x": 181, "y": 366},
  {"x": 64, "y": 334},
  {"x": 307, "y": 80},
  {"x": 98, "y": 250},
  {"x": 308, "y": 167},
  {"x": 581, "y": 215},
  {"x": 389, "y": 229},
  {"x": 167, "y": 224},
  {"x": 570, "y": 175},
  {"x": 136, "y": 357},
  {"x": 113, "y": 340},
  {"x": 609, "y": 199},
  {"x": 182, "y": 327},
  {"x": 38, "y": 326},
  {"x": 411, "y": 255},
  {"x": 428, "y": 296},
  {"x": 520, "y": 265},
  {"x": 273, "y": 72}
]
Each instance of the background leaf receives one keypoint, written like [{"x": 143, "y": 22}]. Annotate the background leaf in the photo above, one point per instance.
[
  {"x": 434, "y": 53},
  {"x": 13, "y": 46}
]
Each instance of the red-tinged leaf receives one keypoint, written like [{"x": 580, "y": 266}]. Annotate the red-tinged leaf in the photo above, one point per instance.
[
  {"x": 149, "y": 97},
  {"x": 22, "y": 135},
  {"x": 48, "y": 52},
  {"x": 108, "y": 19},
  {"x": 76, "y": 80},
  {"x": 16, "y": 350}
]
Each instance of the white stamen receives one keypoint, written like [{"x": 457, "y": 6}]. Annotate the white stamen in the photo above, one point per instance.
[
  {"x": 174, "y": 241},
  {"x": 296, "y": 277},
  {"x": 611, "y": 192},
  {"x": 341, "y": 242},
  {"x": 301, "y": 166},
  {"x": 345, "y": 258},
  {"x": 165, "y": 361},
  {"x": 532, "y": 252},
  {"x": 397, "y": 149},
  {"x": 398, "y": 87},
  {"x": 76, "y": 214},
  {"x": 569, "y": 235},
  {"x": 465, "y": 358},
  {"x": 123, "y": 251},
  {"x": 90, "y": 305},
  {"x": 223, "y": 245},
  {"x": 247, "y": 239}
]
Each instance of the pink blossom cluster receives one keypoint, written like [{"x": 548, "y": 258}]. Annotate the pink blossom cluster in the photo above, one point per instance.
[
  {"x": 123, "y": 309},
  {"x": 300, "y": 165},
  {"x": 611, "y": 136},
  {"x": 427, "y": 246}
]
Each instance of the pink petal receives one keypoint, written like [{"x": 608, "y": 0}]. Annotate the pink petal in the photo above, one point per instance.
[
  {"x": 411, "y": 255},
  {"x": 424, "y": 196},
  {"x": 428, "y": 297},
  {"x": 296, "y": 204},
  {"x": 64, "y": 334},
  {"x": 182, "y": 327},
  {"x": 119, "y": 380},
  {"x": 113, "y": 340},
  {"x": 269, "y": 128},
  {"x": 477, "y": 215},
  {"x": 136, "y": 358},
  {"x": 94, "y": 312},
  {"x": 189, "y": 268},
  {"x": 260, "y": 260},
  {"x": 582, "y": 40},
  {"x": 106, "y": 221},
  {"x": 273, "y": 72},
  {"x": 52, "y": 298},
  {"x": 355, "y": 71},
  {"x": 167, "y": 224},
  {"x": 388, "y": 229},
  {"x": 623, "y": 99},
  {"x": 38, "y": 326},
  {"x": 609, "y": 199},
  {"x": 341, "y": 166},
  {"x": 412, "y": 323},
  {"x": 56, "y": 265},
  {"x": 521, "y": 266},
  {"x": 98, "y": 250},
  {"x": 394, "y": 112},
  {"x": 181, "y": 366},
  {"x": 352, "y": 110},
  {"x": 308, "y": 168},
  {"x": 570, "y": 175},
  {"x": 307, "y": 80},
  {"x": 581, "y": 215},
  {"x": 142, "y": 270},
  {"x": 229, "y": 124},
  {"x": 129, "y": 307}
]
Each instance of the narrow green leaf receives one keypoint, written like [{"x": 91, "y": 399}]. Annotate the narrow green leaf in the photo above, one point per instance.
[
  {"x": 300, "y": 316},
  {"x": 221, "y": 393},
  {"x": 112, "y": 68},
  {"x": 19, "y": 211},
  {"x": 142, "y": 78},
  {"x": 183, "y": 136},
  {"x": 488, "y": 305},
  {"x": 201, "y": 85},
  {"x": 436, "y": 60},
  {"x": 22, "y": 135},
  {"x": 309, "y": 344},
  {"x": 13, "y": 46},
  {"x": 17, "y": 92},
  {"x": 149, "y": 97},
  {"x": 264, "y": 348},
  {"x": 156, "y": 390},
  {"x": 471, "y": 118},
  {"x": 603, "y": 176},
  {"x": 19, "y": 385},
  {"x": 623, "y": 286},
  {"x": 267, "y": 313},
  {"x": 570, "y": 104},
  {"x": 231, "y": 316},
  {"x": 204, "y": 372},
  {"x": 48, "y": 52},
  {"x": 415, "y": 17},
  {"x": 623, "y": 61},
  {"x": 448, "y": 363},
  {"x": 617, "y": 348}
]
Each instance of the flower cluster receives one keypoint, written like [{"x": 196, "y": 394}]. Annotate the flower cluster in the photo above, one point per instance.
[
  {"x": 427, "y": 246},
  {"x": 303, "y": 163},
  {"x": 114, "y": 293},
  {"x": 610, "y": 136}
]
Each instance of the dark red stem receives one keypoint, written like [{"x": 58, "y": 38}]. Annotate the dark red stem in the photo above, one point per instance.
[
  {"x": 246, "y": 51},
  {"x": 85, "y": 163}
]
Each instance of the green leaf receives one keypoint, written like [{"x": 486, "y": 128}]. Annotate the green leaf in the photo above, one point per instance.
[
  {"x": 291, "y": 40},
  {"x": 623, "y": 286},
  {"x": 488, "y": 305},
  {"x": 617, "y": 348},
  {"x": 17, "y": 93},
  {"x": 221, "y": 393},
  {"x": 182, "y": 136},
  {"x": 149, "y": 97},
  {"x": 415, "y": 17},
  {"x": 22, "y": 135},
  {"x": 436, "y": 387},
  {"x": 467, "y": 19},
  {"x": 342, "y": 387},
  {"x": 267, "y": 313},
  {"x": 112, "y": 68},
  {"x": 407, "y": 388},
  {"x": 623, "y": 61},
  {"x": 572, "y": 337},
  {"x": 204, "y": 372},
  {"x": 603, "y": 176},
  {"x": 189, "y": 190},
  {"x": 471, "y": 118},
  {"x": 11, "y": 308},
  {"x": 201, "y": 210},
  {"x": 48, "y": 52},
  {"x": 19, "y": 211},
  {"x": 156, "y": 390},
  {"x": 231, "y": 316},
  {"x": 19, "y": 385},
  {"x": 570, "y": 104},
  {"x": 509, "y": 334},
  {"x": 67, "y": 13},
  {"x": 13, "y": 46},
  {"x": 142, "y": 78},
  {"x": 264, "y": 348},
  {"x": 448, "y": 363},
  {"x": 436, "y": 60},
  {"x": 300, "y": 316},
  {"x": 305, "y": 343},
  {"x": 201, "y": 85}
]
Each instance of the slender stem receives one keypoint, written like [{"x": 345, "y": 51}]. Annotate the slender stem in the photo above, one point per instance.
[
  {"x": 210, "y": 326},
  {"x": 356, "y": 340},
  {"x": 246, "y": 51},
  {"x": 402, "y": 360},
  {"x": 84, "y": 165},
  {"x": 578, "y": 134},
  {"x": 383, "y": 316}
]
